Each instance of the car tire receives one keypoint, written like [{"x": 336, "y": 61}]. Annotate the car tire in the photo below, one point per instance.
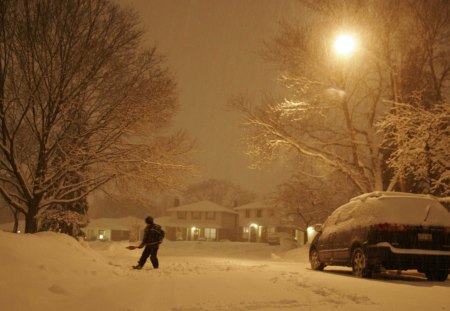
[
  {"x": 437, "y": 275},
  {"x": 316, "y": 264},
  {"x": 360, "y": 265}
]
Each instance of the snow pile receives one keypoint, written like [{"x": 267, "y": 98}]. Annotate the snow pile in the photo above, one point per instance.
[
  {"x": 53, "y": 272},
  {"x": 36, "y": 266}
]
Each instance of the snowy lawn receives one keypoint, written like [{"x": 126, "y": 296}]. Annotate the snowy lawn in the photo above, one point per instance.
[{"x": 49, "y": 271}]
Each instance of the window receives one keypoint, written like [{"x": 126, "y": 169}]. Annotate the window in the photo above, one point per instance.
[
  {"x": 181, "y": 215},
  {"x": 210, "y": 215},
  {"x": 247, "y": 213},
  {"x": 258, "y": 212},
  {"x": 196, "y": 215},
  {"x": 210, "y": 233}
]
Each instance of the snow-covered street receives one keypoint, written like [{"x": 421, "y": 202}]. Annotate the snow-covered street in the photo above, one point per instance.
[{"x": 48, "y": 271}]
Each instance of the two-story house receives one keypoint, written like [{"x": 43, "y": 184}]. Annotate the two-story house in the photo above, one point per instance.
[
  {"x": 257, "y": 221},
  {"x": 202, "y": 220}
]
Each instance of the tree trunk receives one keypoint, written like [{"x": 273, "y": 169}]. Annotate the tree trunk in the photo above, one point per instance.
[
  {"x": 16, "y": 222},
  {"x": 31, "y": 219}
]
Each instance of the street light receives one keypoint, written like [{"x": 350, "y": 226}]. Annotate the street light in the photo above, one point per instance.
[{"x": 345, "y": 44}]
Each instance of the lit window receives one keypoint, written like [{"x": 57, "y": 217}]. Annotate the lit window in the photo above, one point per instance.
[{"x": 210, "y": 233}]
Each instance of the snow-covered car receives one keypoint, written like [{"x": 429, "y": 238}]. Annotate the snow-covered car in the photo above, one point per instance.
[{"x": 386, "y": 230}]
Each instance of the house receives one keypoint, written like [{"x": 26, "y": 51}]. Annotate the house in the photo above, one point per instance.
[
  {"x": 8, "y": 227},
  {"x": 257, "y": 222},
  {"x": 202, "y": 220},
  {"x": 115, "y": 229}
]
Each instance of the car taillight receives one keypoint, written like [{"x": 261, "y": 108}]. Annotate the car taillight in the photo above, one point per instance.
[{"x": 391, "y": 227}]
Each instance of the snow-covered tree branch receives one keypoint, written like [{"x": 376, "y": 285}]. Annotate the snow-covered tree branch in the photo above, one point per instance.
[
  {"x": 327, "y": 108},
  {"x": 81, "y": 104}
]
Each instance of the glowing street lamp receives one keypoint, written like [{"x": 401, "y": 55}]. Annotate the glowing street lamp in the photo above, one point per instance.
[{"x": 345, "y": 44}]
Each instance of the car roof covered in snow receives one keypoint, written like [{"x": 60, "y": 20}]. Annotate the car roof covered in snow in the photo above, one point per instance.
[{"x": 394, "y": 208}]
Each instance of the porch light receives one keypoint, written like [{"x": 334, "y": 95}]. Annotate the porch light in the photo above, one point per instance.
[
  {"x": 101, "y": 236},
  {"x": 254, "y": 226},
  {"x": 310, "y": 230}
]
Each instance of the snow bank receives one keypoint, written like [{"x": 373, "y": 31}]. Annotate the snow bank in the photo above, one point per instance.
[{"x": 43, "y": 268}]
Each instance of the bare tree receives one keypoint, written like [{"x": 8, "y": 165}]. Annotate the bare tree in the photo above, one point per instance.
[
  {"x": 305, "y": 199},
  {"x": 328, "y": 108},
  {"x": 81, "y": 104}
]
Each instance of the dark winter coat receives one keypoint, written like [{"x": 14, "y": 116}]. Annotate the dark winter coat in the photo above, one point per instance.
[{"x": 152, "y": 236}]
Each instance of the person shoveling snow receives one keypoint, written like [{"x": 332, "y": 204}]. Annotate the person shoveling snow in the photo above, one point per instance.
[{"x": 153, "y": 236}]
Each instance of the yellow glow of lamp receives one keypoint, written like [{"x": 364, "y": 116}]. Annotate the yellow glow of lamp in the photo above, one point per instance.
[
  {"x": 345, "y": 44},
  {"x": 310, "y": 230}
]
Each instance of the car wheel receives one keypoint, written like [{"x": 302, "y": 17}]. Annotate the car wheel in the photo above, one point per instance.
[
  {"x": 437, "y": 275},
  {"x": 315, "y": 261},
  {"x": 359, "y": 263}
]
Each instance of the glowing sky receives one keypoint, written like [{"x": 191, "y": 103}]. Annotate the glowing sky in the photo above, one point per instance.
[{"x": 212, "y": 48}]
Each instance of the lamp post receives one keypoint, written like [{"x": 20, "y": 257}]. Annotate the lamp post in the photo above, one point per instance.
[{"x": 345, "y": 45}]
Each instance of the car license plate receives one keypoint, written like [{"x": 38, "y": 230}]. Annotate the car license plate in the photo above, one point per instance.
[{"x": 424, "y": 236}]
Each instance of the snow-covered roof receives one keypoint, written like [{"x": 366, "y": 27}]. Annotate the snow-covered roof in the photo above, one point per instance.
[
  {"x": 253, "y": 205},
  {"x": 124, "y": 223},
  {"x": 202, "y": 206},
  {"x": 167, "y": 221}
]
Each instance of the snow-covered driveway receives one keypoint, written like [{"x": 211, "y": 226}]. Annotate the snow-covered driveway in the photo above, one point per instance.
[{"x": 195, "y": 276}]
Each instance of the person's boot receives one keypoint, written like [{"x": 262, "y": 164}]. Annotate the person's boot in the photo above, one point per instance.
[{"x": 137, "y": 267}]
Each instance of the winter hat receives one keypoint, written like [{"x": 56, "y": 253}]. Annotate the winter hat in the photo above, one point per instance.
[{"x": 149, "y": 220}]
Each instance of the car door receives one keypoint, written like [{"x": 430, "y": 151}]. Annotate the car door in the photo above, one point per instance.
[
  {"x": 325, "y": 243},
  {"x": 344, "y": 234}
]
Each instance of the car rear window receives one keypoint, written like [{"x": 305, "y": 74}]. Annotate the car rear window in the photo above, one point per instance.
[{"x": 402, "y": 210}]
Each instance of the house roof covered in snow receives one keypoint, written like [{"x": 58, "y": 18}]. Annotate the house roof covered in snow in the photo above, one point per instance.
[
  {"x": 167, "y": 221},
  {"x": 201, "y": 206}
]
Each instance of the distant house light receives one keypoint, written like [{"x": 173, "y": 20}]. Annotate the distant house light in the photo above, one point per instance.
[
  {"x": 101, "y": 236},
  {"x": 254, "y": 226}
]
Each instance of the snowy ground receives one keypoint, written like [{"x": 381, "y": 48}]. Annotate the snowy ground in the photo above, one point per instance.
[{"x": 48, "y": 271}]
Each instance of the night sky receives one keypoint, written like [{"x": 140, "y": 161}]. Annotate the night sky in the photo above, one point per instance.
[{"x": 212, "y": 48}]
